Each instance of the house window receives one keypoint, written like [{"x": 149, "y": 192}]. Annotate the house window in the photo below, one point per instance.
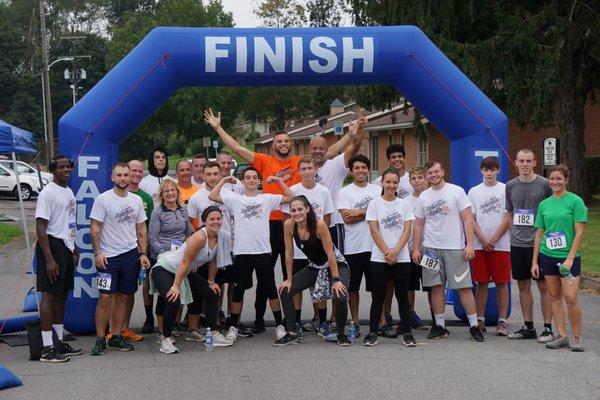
[{"x": 421, "y": 152}]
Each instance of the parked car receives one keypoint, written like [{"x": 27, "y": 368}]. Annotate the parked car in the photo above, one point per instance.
[
  {"x": 30, "y": 185},
  {"x": 26, "y": 169},
  {"x": 239, "y": 170}
]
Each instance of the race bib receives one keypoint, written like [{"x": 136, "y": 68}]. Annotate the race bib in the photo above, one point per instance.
[
  {"x": 523, "y": 217},
  {"x": 72, "y": 230},
  {"x": 430, "y": 261},
  {"x": 556, "y": 240},
  {"x": 103, "y": 281},
  {"x": 175, "y": 244}
]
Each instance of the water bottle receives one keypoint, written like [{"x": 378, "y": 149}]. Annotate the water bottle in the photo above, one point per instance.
[
  {"x": 566, "y": 272},
  {"x": 142, "y": 276},
  {"x": 208, "y": 343},
  {"x": 352, "y": 332}
]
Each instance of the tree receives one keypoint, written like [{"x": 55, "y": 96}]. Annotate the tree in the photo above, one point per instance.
[
  {"x": 540, "y": 61},
  {"x": 322, "y": 13},
  {"x": 281, "y": 13}
]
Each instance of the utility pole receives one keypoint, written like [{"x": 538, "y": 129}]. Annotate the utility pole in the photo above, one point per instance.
[
  {"x": 75, "y": 75},
  {"x": 46, "y": 85}
]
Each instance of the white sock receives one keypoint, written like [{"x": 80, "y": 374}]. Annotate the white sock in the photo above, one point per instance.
[
  {"x": 58, "y": 328},
  {"x": 472, "y": 319},
  {"x": 502, "y": 320},
  {"x": 482, "y": 319},
  {"x": 47, "y": 338},
  {"x": 440, "y": 319}
]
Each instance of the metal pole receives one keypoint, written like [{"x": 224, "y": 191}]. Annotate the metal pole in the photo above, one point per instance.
[
  {"x": 14, "y": 157},
  {"x": 46, "y": 83}
]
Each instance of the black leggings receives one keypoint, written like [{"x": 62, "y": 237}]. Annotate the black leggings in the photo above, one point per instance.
[
  {"x": 381, "y": 273},
  {"x": 163, "y": 281},
  {"x": 306, "y": 278}
]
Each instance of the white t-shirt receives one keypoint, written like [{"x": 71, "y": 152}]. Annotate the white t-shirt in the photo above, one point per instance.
[
  {"x": 320, "y": 200},
  {"x": 390, "y": 216},
  {"x": 332, "y": 175},
  {"x": 412, "y": 200},
  {"x": 237, "y": 187},
  {"x": 404, "y": 188},
  {"x": 488, "y": 208},
  {"x": 251, "y": 230},
  {"x": 199, "y": 202},
  {"x": 118, "y": 216},
  {"x": 357, "y": 238},
  {"x": 150, "y": 184},
  {"x": 441, "y": 210},
  {"x": 56, "y": 204}
]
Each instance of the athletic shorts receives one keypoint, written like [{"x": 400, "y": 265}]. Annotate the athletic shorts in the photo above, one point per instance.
[
  {"x": 299, "y": 265},
  {"x": 454, "y": 271},
  {"x": 549, "y": 265},
  {"x": 520, "y": 261},
  {"x": 415, "y": 277},
  {"x": 245, "y": 264},
  {"x": 338, "y": 235},
  {"x": 124, "y": 270},
  {"x": 66, "y": 267},
  {"x": 359, "y": 264},
  {"x": 491, "y": 266},
  {"x": 223, "y": 274}
]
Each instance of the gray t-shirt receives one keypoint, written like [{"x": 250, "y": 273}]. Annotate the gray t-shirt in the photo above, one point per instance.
[{"x": 522, "y": 199}]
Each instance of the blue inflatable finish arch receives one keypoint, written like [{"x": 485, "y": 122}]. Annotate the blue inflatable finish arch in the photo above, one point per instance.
[{"x": 171, "y": 58}]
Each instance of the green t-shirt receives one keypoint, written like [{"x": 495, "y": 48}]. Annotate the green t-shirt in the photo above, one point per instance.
[
  {"x": 557, "y": 217},
  {"x": 148, "y": 203}
]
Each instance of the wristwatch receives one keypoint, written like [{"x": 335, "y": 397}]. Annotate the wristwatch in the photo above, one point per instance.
[{"x": 336, "y": 279}]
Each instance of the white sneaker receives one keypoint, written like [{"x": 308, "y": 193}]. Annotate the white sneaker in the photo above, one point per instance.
[
  {"x": 195, "y": 336},
  {"x": 232, "y": 334},
  {"x": 167, "y": 346},
  {"x": 280, "y": 332},
  {"x": 161, "y": 337},
  {"x": 220, "y": 341}
]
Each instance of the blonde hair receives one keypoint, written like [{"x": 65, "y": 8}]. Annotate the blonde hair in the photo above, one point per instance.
[{"x": 161, "y": 189}]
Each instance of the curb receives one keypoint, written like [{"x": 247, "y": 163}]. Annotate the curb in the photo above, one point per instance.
[{"x": 590, "y": 282}]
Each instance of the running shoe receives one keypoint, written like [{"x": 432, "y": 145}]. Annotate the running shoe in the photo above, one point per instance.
[
  {"x": 409, "y": 340},
  {"x": 546, "y": 336},
  {"x": 481, "y": 325},
  {"x": 370, "y": 339},
  {"x": 437, "y": 331},
  {"x": 161, "y": 337},
  {"x": 343, "y": 340},
  {"x": 559, "y": 342},
  {"x": 148, "y": 327},
  {"x": 52, "y": 355},
  {"x": 576, "y": 344},
  {"x": 476, "y": 334},
  {"x": 502, "y": 329},
  {"x": 299, "y": 331},
  {"x": 167, "y": 346},
  {"x": 285, "y": 340},
  {"x": 118, "y": 343},
  {"x": 221, "y": 341},
  {"x": 387, "y": 331},
  {"x": 323, "y": 330},
  {"x": 259, "y": 327},
  {"x": 312, "y": 325},
  {"x": 67, "y": 350},
  {"x": 280, "y": 332},
  {"x": 523, "y": 333},
  {"x": 131, "y": 336},
  {"x": 177, "y": 330},
  {"x": 232, "y": 334},
  {"x": 99, "y": 347},
  {"x": 243, "y": 331},
  {"x": 417, "y": 323},
  {"x": 195, "y": 336}
]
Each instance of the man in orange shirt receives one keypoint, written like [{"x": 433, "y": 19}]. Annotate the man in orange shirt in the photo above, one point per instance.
[
  {"x": 282, "y": 165},
  {"x": 183, "y": 170}
]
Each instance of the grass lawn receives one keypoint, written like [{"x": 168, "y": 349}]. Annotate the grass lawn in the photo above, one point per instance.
[
  {"x": 7, "y": 232},
  {"x": 590, "y": 248}
]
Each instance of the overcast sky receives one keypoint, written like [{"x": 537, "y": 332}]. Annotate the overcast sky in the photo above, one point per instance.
[{"x": 243, "y": 12}]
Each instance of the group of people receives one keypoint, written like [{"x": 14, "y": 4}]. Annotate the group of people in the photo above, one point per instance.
[{"x": 197, "y": 240}]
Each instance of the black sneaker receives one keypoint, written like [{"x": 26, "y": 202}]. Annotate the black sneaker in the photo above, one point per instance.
[
  {"x": 370, "y": 339},
  {"x": 476, "y": 334},
  {"x": 117, "y": 343},
  {"x": 387, "y": 331},
  {"x": 343, "y": 340},
  {"x": 437, "y": 331},
  {"x": 243, "y": 331},
  {"x": 147, "y": 328},
  {"x": 67, "y": 350},
  {"x": 523, "y": 333},
  {"x": 285, "y": 340},
  {"x": 259, "y": 327},
  {"x": 409, "y": 340},
  {"x": 50, "y": 354},
  {"x": 99, "y": 347}
]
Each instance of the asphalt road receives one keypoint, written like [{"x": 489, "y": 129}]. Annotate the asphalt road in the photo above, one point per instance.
[{"x": 452, "y": 368}]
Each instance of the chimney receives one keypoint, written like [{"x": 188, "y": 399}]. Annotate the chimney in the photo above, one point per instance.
[{"x": 336, "y": 107}]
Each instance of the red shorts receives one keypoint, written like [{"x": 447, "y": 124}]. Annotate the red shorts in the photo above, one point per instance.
[{"x": 491, "y": 266}]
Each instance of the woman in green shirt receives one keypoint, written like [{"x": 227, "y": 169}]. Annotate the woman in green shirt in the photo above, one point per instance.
[{"x": 560, "y": 223}]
